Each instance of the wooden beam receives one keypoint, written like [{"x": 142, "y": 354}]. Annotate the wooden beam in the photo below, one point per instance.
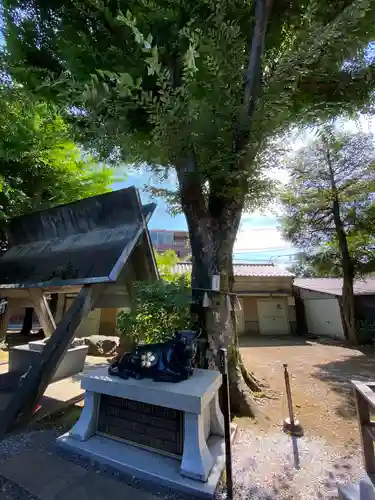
[
  {"x": 364, "y": 421},
  {"x": 20, "y": 303},
  {"x": 43, "y": 311},
  {"x": 4, "y": 320},
  {"x": 35, "y": 381},
  {"x": 60, "y": 307}
]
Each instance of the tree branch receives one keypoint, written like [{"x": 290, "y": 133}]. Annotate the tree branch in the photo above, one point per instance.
[{"x": 252, "y": 87}]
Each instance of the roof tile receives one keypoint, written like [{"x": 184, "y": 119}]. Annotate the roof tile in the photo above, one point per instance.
[
  {"x": 333, "y": 286},
  {"x": 255, "y": 270}
]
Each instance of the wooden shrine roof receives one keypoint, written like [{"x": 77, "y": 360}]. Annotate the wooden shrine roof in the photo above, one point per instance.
[{"x": 80, "y": 243}]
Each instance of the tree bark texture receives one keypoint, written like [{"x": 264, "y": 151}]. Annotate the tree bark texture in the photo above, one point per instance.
[
  {"x": 348, "y": 306},
  {"x": 213, "y": 226}
]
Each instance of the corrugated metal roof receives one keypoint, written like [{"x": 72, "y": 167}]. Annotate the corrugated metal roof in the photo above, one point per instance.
[
  {"x": 88, "y": 241},
  {"x": 255, "y": 270},
  {"x": 333, "y": 286}
]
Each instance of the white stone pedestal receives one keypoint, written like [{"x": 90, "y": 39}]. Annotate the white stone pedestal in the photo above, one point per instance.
[{"x": 202, "y": 462}]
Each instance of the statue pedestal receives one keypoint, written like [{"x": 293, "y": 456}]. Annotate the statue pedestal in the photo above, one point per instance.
[{"x": 169, "y": 433}]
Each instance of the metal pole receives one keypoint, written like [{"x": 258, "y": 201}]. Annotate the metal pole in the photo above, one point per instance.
[
  {"x": 223, "y": 359},
  {"x": 288, "y": 395}
]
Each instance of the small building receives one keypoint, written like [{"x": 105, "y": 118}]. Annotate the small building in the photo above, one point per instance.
[
  {"x": 178, "y": 241},
  {"x": 319, "y": 307},
  {"x": 265, "y": 294}
]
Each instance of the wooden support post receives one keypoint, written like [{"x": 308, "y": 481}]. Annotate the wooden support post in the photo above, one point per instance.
[
  {"x": 43, "y": 311},
  {"x": 363, "y": 412},
  {"x": 35, "y": 381},
  {"x": 4, "y": 320},
  {"x": 60, "y": 309}
]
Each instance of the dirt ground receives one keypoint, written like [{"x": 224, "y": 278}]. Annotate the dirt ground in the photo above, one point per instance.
[{"x": 320, "y": 374}]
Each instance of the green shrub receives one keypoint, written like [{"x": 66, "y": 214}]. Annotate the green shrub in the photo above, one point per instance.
[{"x": 161, "y": 308}]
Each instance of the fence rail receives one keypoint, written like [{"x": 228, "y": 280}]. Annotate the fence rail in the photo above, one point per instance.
[{"x": 365, "y": 400}]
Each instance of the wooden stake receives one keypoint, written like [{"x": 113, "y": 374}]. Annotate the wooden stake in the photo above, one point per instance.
[{"x": 291, "y": 425}]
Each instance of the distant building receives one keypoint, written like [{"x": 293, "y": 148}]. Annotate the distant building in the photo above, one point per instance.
[{"x": 162, "y": 240}]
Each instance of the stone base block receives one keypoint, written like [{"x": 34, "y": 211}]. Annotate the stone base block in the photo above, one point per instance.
[
  {"x": 148, "y": 465},
  {"x": 22, "y": 356},
  {"x": 363, "y": 491}
]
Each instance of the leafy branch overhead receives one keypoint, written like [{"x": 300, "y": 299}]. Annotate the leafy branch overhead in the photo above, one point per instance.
[{"x": 153, "y": 80}]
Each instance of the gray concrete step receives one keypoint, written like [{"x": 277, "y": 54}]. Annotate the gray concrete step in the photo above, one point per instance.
[{"x": 50, "y": 477}]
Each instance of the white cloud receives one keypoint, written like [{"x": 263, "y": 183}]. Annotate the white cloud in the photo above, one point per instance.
[{"x": 261, "y": 239}]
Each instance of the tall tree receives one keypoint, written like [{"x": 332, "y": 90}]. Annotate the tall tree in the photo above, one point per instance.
[
  {"x": 198, "y": 87},
  {"x": 330, "y": 194}
]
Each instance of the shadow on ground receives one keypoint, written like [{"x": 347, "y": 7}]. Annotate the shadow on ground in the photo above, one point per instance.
[
  {"x": 273, "y": 341},
  {"x": 338, "y": 374}
]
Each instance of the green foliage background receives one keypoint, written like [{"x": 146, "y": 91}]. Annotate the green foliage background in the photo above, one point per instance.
[{"x": 40, "y": 166}]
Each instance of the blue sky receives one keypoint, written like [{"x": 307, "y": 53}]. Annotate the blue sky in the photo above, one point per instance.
[{"x": 258, "y": 238}]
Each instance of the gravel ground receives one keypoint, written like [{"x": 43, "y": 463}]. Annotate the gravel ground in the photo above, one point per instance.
[
  {"x": 263, "y": 457},
  {"x": 263, "y": 466},
  {"x": 320, "y": 373}
]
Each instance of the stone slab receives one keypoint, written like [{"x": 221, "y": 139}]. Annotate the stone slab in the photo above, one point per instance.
[
  {"x": 98, "y": 487},
  {"x": 22, "y": 356},
  {"x": 363, "y": 491},
  {"x": 150, "y": 466},
  {"x": 191, "y": 395},
  {"x": 43, "y": 475},
  {"x": 58, "y": 394}
]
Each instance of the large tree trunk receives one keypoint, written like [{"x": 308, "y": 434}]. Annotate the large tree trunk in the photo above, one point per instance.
[
  {"x": 218, "y": 321},
  {"x": 213, "y": 227},
  {"x": 348, "y": 306}
]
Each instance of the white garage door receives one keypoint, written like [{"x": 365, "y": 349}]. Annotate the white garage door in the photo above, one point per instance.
[
  {"x": 273, "y": 317},
  {"x": 323, "y": 317}
]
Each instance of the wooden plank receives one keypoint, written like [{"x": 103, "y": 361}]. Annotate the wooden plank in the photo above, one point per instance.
[
  {"x": 4, "y": 320},
  {"x": 60, "y": 309},
  {"x": 370, "y": 429},
  {"x": 364, "y": 421},
  {"x": 43, "y": 312},
  {"x": 35, "y": 381},
  {"x": 20, "y": 303},
  {"x": 367, "y": 389}
]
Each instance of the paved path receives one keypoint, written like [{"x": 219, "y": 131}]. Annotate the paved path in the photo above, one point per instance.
[{"x": 46, "y": 476}]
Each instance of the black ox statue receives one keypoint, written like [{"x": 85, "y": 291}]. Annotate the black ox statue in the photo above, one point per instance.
[{"x": 170, "y": 361}]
